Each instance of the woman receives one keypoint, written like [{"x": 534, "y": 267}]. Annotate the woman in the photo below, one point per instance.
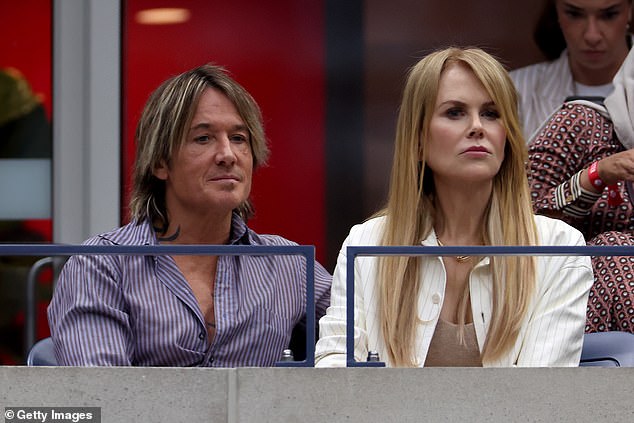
[
  {"x": 579, "y": 171},
  {"x": 458, "y": 179},
  {"x": 585, "y": 42}
]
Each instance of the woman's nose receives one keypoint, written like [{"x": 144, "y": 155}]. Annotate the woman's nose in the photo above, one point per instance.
[
  {"x": 476, "y": 130},
  {"x": 592, "y": 33}
]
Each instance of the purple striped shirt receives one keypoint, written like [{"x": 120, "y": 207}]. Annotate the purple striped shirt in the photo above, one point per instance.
[{"x": 140, "y": 310}]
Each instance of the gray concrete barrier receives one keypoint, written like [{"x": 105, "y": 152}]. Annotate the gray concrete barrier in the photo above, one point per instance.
[{"x": 142, "y": 395}]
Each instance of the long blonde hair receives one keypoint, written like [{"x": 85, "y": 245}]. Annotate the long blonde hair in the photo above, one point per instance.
[{"x": 410, "y": 210}]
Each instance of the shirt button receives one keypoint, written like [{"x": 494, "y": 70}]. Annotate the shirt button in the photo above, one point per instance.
[
  {"x": 201, "y": 336},
  {"x": 569, "y": 198},
  {"x": 435, "y": 298}
]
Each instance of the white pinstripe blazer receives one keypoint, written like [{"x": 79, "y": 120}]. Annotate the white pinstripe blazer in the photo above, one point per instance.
[{"x": 551, "y": 334}]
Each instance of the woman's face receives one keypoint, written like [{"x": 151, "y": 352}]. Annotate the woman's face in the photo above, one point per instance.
[
  {"x": 466, "y": 133},
  {"x": 595, "y": 32}
]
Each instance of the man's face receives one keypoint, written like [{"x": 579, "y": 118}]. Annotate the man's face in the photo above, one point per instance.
[{"x": 210, "y": 174}]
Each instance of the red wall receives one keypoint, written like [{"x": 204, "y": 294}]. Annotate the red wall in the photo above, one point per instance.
[
  {"x": 25, "y": 43},
  {"x": 276, "y": 51}
]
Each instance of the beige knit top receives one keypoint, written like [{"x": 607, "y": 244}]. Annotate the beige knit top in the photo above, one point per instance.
[{"x": 446, "y": 350}]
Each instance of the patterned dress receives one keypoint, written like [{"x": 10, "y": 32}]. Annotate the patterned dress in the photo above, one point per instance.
[{"x": 575, "y": 137}]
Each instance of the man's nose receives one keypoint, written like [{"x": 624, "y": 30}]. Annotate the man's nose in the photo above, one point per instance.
[{"x": 224, "y": 153}]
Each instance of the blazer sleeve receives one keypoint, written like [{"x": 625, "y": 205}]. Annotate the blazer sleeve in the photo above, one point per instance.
[
  {"x": 323, "y": 281},
  {"x": 554, "y": 336},
  {"x": 331, "y": 347}
]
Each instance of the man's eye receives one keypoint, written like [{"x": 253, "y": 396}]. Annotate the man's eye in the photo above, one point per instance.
[{"x": 239, "y": 138}]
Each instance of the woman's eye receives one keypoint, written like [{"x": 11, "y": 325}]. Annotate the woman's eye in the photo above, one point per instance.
[
  {"x": 573, "y": 14},
  {"x": 454, "y": 113},
  {"x": 609, "y": 15},
  {"x": 491, "y": 114},
  {"x": 201, "y": 138}
]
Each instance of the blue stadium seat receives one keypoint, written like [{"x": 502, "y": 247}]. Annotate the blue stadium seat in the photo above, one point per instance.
[
  {"x": 42, "y": 354},
  {"x": 608, "y": 349}
]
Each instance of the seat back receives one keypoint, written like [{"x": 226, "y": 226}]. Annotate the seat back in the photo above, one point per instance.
[
  {"x": 42, "y": 354},
  {"x": 608, "y": 349}
]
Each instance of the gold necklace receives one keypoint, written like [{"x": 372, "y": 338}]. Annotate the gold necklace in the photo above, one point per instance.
[{"x": 459, "y": 259}]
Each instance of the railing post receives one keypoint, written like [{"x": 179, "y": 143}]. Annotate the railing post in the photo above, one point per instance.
[{"x": 30, "y": 318}]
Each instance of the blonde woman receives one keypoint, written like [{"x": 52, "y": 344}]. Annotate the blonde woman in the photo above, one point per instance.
[{"x": 458, "y": 178}]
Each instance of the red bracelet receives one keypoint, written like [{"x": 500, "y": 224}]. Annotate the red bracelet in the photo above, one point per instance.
[
  {"x": 614, "y": 197},
  {"x": 593, "y": 175}
]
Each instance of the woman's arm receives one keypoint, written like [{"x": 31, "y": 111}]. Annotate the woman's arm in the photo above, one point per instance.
[
  {"x": 331, "y": 347},
  {"x": 612, "y": 169},
  {"x": 554, "y": 336},
  {"x": 558, "y": 160}
]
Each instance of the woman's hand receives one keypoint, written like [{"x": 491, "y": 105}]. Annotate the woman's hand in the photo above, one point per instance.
[
  {"x": 614, "y": 168},
  {"x": 617, "y": 167}
]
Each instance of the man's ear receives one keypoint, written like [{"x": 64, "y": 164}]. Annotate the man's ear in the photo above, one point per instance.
[{"x": 161, "y": 171}]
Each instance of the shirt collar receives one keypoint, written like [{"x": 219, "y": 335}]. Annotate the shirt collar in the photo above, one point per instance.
[
  {"x": 142, "y": 233},
  {"x": 239, "y": 231}
]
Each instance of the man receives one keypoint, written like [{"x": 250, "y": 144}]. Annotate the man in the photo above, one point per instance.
[{"x": 199, "y": 138}]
